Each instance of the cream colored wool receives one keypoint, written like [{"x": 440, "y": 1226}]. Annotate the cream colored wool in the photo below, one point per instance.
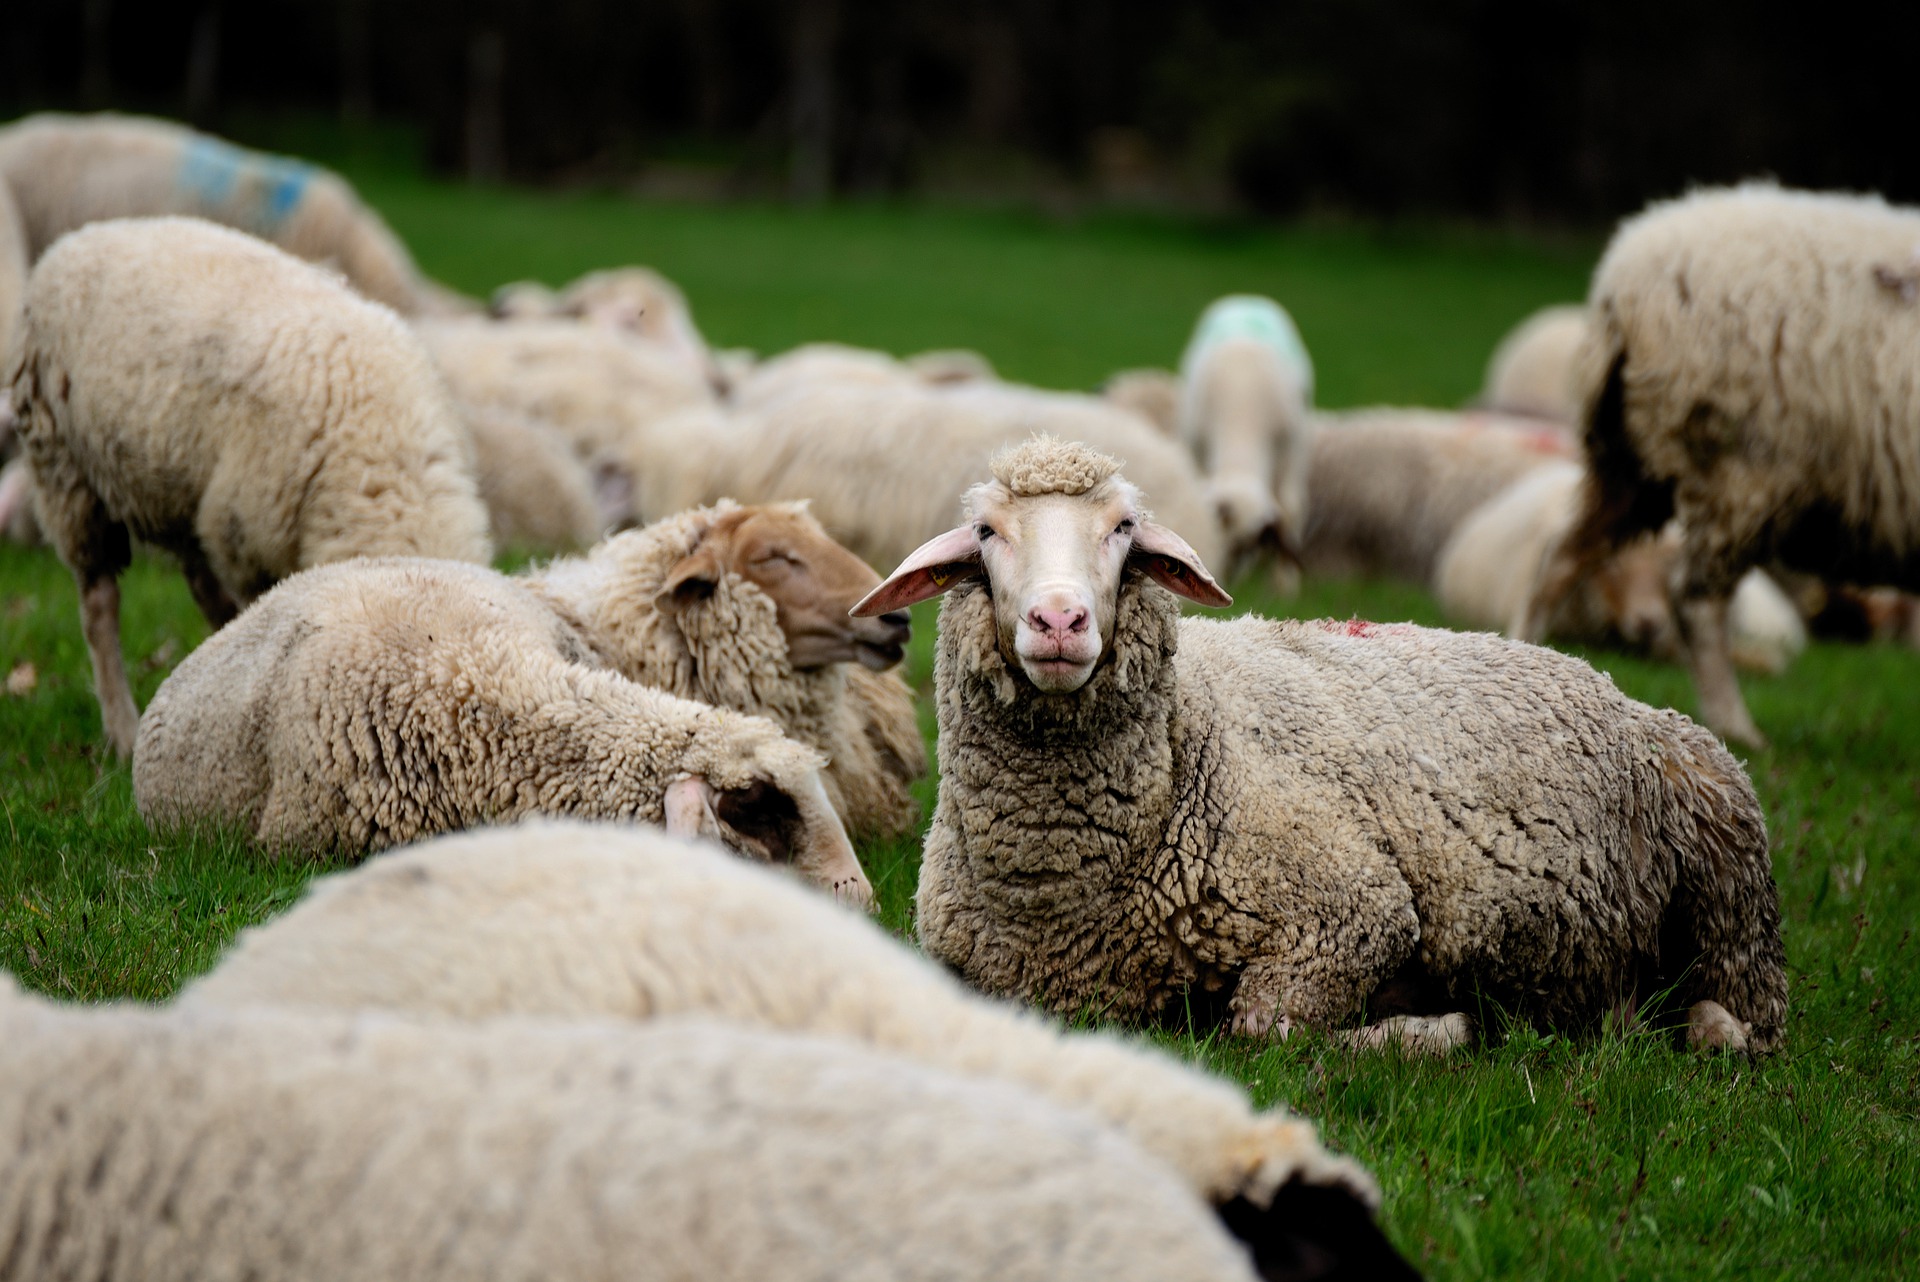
[
  {"x": 538, "y": 493},
  {"x": 163, "y": 1146},
  {"x": 1531, "y": 371},
  {"x": 1153, "y": 394},
  {"x": 728, "y": 650},
  {"x": 580, "y": 921},
  {"x": 882, "y": 464},
  {"x": 1488, "y": 571},
  {"x": 813, "y": 365},
  {"x": 1246, "y": 388},
  {"x": 67, "y": 171},
  {"x": 1287, "y": 816},
  {"x": 599, "y": 388},
  {"x": 1751, "y": 370},
  {"x": 14, "y": 262},
  {"x": 363, "y": 705},
  {"x": 1390, "y": 486},
  {"x": 195, "y": 387}
]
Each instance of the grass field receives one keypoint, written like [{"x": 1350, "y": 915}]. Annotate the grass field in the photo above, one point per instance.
[{"x": 1531, "y": 1156}]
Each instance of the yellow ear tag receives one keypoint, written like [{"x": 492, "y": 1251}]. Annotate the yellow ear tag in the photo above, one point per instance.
[{"x": 939, "y": 579}]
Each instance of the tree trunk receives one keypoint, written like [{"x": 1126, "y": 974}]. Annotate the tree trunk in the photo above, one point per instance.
[
  {"x": 816, "y": 25},
  {"x": 486, "y": 125}
]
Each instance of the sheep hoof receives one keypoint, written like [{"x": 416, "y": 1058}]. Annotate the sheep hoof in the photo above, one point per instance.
[
  {"x": 1414, "y": 1034},
  {"x": 1711, "y": 1027}
]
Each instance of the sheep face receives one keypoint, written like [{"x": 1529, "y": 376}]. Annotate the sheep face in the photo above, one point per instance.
[
  {"x": 812, "y": 581},
  {"x": 794, "y": 827},
  {"x": 1053, "y": 564}
]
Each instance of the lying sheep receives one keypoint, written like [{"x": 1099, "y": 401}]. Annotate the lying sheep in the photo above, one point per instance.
[
  {"x": 1750, "y": 371},
  {"x": 881, "y": 463},
  {"x": 538, "y": 494},
  {"x": 635, "y": 301},
  {"x": 1153, "y": 394},
  {"x": 812, "y": 365},
  {"x": 1246, "y": 388},
  {"x": 362, "y": 705},
  {"x": 1319, "y": 822},
  {"x": 1487, "y": 572},
  {"x": 181, "y": 1144},
  {"x": 746, "y": 608},
  {"x": 1390, "y": 486},
  {"x": 595, "y": 387},
  {"x": 67, "y": 171},
  {"x": 192, "y": 386},
  {"x": 582, "y": 922},
  {"x": 1531, "y": 372}
]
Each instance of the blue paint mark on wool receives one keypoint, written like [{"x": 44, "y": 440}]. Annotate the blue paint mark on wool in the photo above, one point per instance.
[
  {"x": 1252, "y": 317},
  {"x": 257, "y": 192}
]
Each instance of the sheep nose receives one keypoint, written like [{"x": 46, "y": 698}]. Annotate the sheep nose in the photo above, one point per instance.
[{"x": 1045, "y": 620}]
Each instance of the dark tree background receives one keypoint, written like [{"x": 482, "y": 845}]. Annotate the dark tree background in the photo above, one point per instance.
[{"x": 1488, "y": 108}]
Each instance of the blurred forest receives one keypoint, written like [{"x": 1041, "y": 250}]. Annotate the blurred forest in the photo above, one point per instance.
[{"x": 1543, "y": 112}]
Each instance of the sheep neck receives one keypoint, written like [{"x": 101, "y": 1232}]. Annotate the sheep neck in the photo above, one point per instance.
[{"x": 1078, "y": 793}]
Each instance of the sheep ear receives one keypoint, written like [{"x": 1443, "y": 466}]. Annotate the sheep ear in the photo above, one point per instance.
[
  {"x": 689, "y": 808},
  {"x": 929, "y": 570},
  {"x": 693, "y": 579},
  {"x": 1167, "y": 559}
]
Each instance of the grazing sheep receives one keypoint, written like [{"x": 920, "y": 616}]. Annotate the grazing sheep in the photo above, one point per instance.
[
  {"x": 1390, "y": 486},
  {"x": 361, "y": 705},
  {"x": 1153, "y": 394},
  {"x": 746, "y": 608},
  {"x": 1315, "y": 821},
  {"x": 67, "y": 171},
  {"x": 539, "y": 495},
  {"x": 598, "y": 389},
  {"x": 1751, "y": 370},
  {"x": 1531, "y": 373},
  {"x": 188, "y": 1144},
  {"x": 192, "y": 386},
  {"x": 580, "y": 921},
  {"x": 880, "y": 463},
  {"x": 1246, "y": 385},
  {"x": 1486, "y": 574}
]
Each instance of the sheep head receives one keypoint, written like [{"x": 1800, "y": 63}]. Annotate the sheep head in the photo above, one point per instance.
[
  {"x": 787, "y": 823},
  {"x": 812, "y": 581},
  {"x": 1053, "y": 535}
]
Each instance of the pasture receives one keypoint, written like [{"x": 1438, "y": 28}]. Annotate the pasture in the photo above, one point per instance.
[{"x": 1527, "y": 1156}]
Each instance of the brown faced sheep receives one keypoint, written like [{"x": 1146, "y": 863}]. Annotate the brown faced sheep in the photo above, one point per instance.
[
  {"x": 1319, "y": 822},
  {"x": 195, "y": 387},
  {"x": 365, "y": 704},
  {"x": 1752, "y": 370},
  {"x": 746, "y": 608}
]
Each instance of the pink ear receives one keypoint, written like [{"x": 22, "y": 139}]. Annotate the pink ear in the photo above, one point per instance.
[
  {"x": 1168, "y": 560},
  {"x": 931, "y": 569},
  {"x": 689, "y": 806}
]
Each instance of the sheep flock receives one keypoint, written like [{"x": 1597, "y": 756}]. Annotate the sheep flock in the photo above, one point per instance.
[{"x": 592, "y": 990}]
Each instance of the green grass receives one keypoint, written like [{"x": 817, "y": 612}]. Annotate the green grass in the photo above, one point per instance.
[{"x": 1528, "y": 1156}]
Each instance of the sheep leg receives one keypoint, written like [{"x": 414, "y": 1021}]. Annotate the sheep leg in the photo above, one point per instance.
[
  {"x": 1414, "y": 1034},
  {"x": 208, "y": 592},
  {"x": 100, "y": 622},
  {"x": 1711, "y": 1027},
  {"x": 1703, "y": 620}
]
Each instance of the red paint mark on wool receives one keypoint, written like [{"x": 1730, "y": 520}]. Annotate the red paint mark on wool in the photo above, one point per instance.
[{"x": 1359, "y": 627}]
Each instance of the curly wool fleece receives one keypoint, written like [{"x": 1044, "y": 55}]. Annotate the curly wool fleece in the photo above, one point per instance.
[{"x": 1294, "y": 813}]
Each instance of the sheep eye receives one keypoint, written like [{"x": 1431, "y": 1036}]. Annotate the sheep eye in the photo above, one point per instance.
[
  {"x": 983, "y": 532},
  {"x": 1124, "y": 526}
]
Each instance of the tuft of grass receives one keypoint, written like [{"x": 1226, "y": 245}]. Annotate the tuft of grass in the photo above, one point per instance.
[{"x": 1529, "y": 1155}]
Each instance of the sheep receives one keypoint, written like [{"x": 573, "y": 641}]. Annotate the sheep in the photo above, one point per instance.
[
  {"x": 1153, "y": 394},
  {"x": 364, "y": 704},
  {"x": 746, "y": 608},
  {"x": 1750, "y": 370},
  {"x": 19, "y": 515},
  {"x": 635, "y": 301},
  {"x": 1314, "y": 821},
  {"x": 66, "y": 171},
  {"x": 1246, "y": 385},
  {"x": 1531, "y": 372},
  {"x": 538, "y": 494},
  {"x": 192, "y": 386},
  {"x": 14, "y": 264},
  {"x": 203, "y": 1143},
  {"x": 812, "y": 364},
  {"x": 1390, "y": 486},
  {"x": 595, "y": 387},
  {"x": 941, "y": 366},
  {"x": 882, "y": 462},
  {"x": 583, "y": 922},
  {"x": 1486, "y": 573}
]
